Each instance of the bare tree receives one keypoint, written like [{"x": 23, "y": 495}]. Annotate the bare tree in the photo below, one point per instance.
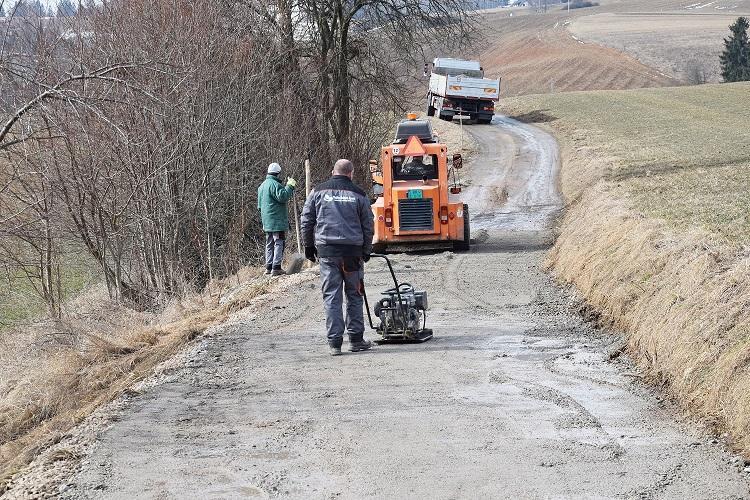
[
  {"x": 696, "y": 72},
  {"x": 139, "y": 130}
]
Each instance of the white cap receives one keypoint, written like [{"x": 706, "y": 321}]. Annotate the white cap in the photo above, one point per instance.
[{"x": 274, "y": 168}]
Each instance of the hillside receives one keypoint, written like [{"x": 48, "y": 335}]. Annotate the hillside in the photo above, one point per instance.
[
  {"x": 681, "y": 153},
  {"x": 625, "y": 44},
  {"x": 536, "y": 54},
  {"x": 675, "y": 6},
  {"x": 685, "y": 46},
  {"x": 657, "y": 183}
]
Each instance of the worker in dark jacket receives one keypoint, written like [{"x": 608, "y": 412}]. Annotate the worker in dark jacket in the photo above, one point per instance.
[
  {"x": 337, "y": 229},
  {"x": 272, "y": 200}
]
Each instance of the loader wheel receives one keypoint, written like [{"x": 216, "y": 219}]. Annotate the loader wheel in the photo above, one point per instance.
[{"x": 465, "y": 245}]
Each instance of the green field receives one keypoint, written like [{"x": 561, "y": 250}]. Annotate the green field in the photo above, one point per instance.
[
  {"x": 20, "y": 301},
  {"x": 681, "y": 154}
]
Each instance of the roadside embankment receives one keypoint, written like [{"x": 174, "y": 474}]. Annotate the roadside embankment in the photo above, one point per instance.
[
  {"x": 454, "y": 135},
  {"x": 54, "y": 374},
  {"x": 657, "y": 233}
]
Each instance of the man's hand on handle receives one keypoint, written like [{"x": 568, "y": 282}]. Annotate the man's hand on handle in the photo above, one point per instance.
[
  {"x": 311, "y": 253},
  {"x": 291, "y": 182}
]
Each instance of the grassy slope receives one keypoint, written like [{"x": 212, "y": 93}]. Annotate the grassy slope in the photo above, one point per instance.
[
  {"x": 677, "y": 43},
  {"x": 682, "y": 154},
  {"x": 20, "y": 301},
  {"x": 656, "y": 234},
  {"x": 536, "y": 54}
]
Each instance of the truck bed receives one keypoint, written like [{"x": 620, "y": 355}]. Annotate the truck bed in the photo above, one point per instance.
[{"x": 464, "y": 86}]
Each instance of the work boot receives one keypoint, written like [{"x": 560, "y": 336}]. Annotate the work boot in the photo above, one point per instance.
[
  {"x": 334, "y": 348},
  {"x": 267, "y": 271},
  {"x": 278, "y": 272},
  {"x": 359, "y": 345}
]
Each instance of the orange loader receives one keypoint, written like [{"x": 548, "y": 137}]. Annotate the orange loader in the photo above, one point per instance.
[{"x": 417, "y": 204}]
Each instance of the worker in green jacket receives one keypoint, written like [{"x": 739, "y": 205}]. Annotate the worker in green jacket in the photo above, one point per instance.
[{"x": 272, "y": 199}]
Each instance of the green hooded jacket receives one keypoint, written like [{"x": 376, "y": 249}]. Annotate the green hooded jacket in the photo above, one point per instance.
[{"x": 272, "y": 198}]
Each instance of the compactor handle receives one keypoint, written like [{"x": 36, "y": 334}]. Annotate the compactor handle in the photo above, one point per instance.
[{"x": 395, "y": 283}]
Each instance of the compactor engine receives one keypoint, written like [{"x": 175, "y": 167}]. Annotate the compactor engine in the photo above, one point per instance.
[
  {"x": 412, "y": 302},
  {"x": 402, "y": 311}
]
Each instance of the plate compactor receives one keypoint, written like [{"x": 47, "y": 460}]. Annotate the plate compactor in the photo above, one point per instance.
[{"x": 402, "y": 312}]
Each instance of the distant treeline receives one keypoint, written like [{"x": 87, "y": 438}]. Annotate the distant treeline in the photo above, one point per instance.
[
  {"x": 579, "y": 4},
  {"x": 35, "y": 8}
]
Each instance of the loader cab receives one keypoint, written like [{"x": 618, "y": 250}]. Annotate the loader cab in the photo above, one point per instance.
[{"x": 417, "y": 167}]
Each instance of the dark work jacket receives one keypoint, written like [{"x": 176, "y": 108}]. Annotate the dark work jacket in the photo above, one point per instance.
[{"x": 337, "y": 219}]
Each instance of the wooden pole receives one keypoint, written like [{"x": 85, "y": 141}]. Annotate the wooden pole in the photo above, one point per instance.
[
  {"x": 308, "y": 179},
  {"x": 296, "y": 224},
  {"x": 461, "y": 127},
  {"x": 308, "y": 188}
]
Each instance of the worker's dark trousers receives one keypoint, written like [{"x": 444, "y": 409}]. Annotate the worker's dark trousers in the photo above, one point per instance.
[
  {"x": 274, "y": 249},
  {"x": 339, "y": 275}
]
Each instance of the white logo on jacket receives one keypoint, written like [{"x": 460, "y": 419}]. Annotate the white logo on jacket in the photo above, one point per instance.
[{"x": 339, "y": 198}]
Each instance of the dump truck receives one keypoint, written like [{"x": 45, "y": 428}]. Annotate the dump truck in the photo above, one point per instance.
[
  {"x": 458, "y": 87},
  {"x": 417, "y": 203}
]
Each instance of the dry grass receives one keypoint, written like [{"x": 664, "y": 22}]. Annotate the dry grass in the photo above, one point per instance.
[
  {"x": 51, "y": 381},
  {"x": 656, "y": 236},
  {"x": 683, "y": 300},
  {"x": 457, "y": 140},
  {"x": 681, "y": 153},
  {"x": 674, "y": 43}
]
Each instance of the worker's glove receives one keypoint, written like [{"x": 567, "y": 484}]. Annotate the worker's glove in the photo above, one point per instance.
[
  {"x": 291, "y": 182},
  {"x": 311, "y": 253},
  {"x": 366, "y": 257}
]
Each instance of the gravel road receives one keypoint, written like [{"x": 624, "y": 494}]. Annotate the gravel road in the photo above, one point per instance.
[{"x": 515, "y": 397}]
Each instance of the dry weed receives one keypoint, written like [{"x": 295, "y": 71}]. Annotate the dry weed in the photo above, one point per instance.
[
  {"x": 455, "y": 138},
  {"x": 682, "y": 299},
  {"x": 46, "y": 392},
  {"x": 656, "y": 235}
]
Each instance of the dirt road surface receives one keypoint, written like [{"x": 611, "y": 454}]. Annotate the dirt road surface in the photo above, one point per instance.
[{"x": 515, "y": 397}]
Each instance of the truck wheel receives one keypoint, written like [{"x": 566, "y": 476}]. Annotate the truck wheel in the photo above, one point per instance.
[
  {"x": 465, "y": 245},
  {"x": 485, "y": 121}
]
